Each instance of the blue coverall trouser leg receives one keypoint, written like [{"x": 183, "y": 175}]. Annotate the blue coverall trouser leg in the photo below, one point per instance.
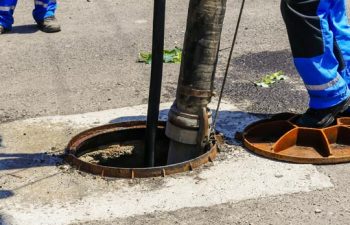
[
  {"x": 42, "y": 10},
  {"x": 319, "y": 35}
]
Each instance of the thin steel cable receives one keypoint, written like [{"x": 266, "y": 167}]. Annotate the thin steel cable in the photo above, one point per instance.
[{"x": 228, "y": 64}]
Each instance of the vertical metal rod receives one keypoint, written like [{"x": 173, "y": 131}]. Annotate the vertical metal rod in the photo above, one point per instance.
[
  {"x": 228, "y": 64},
  {"x": 156, "y": 80}
]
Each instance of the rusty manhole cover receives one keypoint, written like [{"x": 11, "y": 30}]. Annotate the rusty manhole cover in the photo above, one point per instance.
[
  {"x": 280, "y": 138},
  {"x": 117, "y": 150}
]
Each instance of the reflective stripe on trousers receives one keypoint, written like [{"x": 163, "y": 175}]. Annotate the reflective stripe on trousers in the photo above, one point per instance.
[
  {"x": 43, "y": 9},
  {"x": 7, "y": 8},
  {"x": 44, "y": 3},
  {"x": 319, "y": 35}
]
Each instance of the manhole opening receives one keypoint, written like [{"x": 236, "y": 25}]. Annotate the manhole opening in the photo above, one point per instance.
[
  {"x": 123, "y": 149},
  {"x": 117, "y": 150}
]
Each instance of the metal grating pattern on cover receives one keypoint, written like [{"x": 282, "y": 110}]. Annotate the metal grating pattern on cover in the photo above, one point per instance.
[
  {"x": 89, "y": 140},
  {"x": 281, "y": 139}
]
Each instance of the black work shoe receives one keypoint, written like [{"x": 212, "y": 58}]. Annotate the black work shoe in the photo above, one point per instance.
[
  {"x": 320, "y": 118},
  {"x": 49, "y": 25},
  {"x": 2, "y": 30},
  {"x": 346, "y": 113}
]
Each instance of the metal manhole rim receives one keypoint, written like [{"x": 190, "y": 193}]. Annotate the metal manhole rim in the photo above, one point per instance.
[{"x": 126, "y": 172}]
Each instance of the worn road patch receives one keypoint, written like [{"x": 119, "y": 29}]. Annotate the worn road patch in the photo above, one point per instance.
[{"x": 36, "y": 190}]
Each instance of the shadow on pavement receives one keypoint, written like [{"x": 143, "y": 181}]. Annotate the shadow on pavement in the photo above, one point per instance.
[
  {"x": 24, "y": 29},
  {"x": 15, "y": 163},
  {"x": 229, "y": 122},
  {"x": 21, "y": 162},
  {"x": 10, "y": 161},
  {"x": 163, "y": 115}
]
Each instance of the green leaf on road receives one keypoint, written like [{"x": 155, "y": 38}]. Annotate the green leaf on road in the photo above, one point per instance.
[
  {"x": 170, "y": 56},
  {"x": 145, "y": 57},
  {"x": 270, "y": 79}
]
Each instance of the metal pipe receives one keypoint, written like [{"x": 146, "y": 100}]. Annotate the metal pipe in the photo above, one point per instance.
[
  {"x": 200, "y": 53},
  {"x": 156, "y": 80},
  {"x": 189, "y": 118}
]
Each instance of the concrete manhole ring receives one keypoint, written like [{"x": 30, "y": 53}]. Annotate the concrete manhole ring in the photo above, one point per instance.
[{"x": 91, "y": 139}]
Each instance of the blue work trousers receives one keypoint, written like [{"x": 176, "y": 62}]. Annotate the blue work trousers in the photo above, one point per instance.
[
  {"x": 319, "y": 35},
  {"x": 42, "y": 10}
]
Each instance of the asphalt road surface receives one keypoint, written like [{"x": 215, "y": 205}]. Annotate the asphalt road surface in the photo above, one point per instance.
[{"x": 91, "y": 65}]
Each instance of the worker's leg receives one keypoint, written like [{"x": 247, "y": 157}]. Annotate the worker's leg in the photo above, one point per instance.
[
  {"x": 7, "y": 8},
  {"x": 338, "y": 22},
  {"x": 312, "y": 46},
  {"x": 44, "y": 15},
  {"x": 44, "y": 9}
]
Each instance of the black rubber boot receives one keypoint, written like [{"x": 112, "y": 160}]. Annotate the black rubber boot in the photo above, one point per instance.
[
  {"x": 49, "y": 25},
  {"x": 346, "y": 113},
  {"x": 2, "y": 30},
  {"x": 320, "y": 118}
]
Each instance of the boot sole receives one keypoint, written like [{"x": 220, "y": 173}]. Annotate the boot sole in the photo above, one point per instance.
[
  {"x": 49, "y": 30},
  {"x": 3, "y": 31},
  {"x": 337, "y": 112}
]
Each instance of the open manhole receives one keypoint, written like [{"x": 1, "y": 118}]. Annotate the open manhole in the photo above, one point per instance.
[
  {"x": 281, "y": 139},
  {"x": 117, "y": 150}
]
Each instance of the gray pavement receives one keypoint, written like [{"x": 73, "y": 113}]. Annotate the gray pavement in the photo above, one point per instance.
[{"x": 91, "y": 66}]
